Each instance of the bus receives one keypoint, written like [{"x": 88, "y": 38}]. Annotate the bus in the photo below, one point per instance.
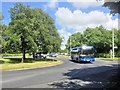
[{"x": 83, "y": 54}]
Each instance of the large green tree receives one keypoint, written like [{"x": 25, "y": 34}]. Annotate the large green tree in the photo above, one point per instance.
[
  {"x": 1, "y": 17},
  {"x": 74, "y": 40},
  {"x": 34, "y": 29},
  {"x": 114, "y": 7},
  {"x": 21, "y": 27},
  {"x": 98, "y": 37}
]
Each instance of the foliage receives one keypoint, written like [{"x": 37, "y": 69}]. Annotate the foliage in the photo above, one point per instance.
[
  {"x": 113, "y": 6},
  {"x": 104, "y": 55},
  {"x": 63, "y": 51},
  {"x": 118, "y": 40},
  {"x": 75, "y": 40},
  {"x": 9, "y": 40},
  {"x": 30, "y": 30},
  {"x": 1, "y": 17},
  {"x": 117, "y": 54},
  {"x": 98, "y": 37}
]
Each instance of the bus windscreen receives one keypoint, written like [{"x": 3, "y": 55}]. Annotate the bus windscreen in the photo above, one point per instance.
[{"x": 87, "y": 51}]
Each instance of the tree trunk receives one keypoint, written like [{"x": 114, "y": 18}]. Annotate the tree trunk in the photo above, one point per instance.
[
  {"x": 23, "y": 57},
  {"x": 23, "y": 49},
  {"x": 33, "y": 55}
]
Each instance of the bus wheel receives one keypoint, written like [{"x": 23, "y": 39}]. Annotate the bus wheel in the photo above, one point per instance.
[
  {"x": 92, "y": 62},
  {"x": 71, "y": 58},
  {"x": 76, "y": 59}
]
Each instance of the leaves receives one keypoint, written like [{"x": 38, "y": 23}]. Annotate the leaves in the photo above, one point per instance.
[
  {"x": 30, "y": 30},
  {"x": 113, "y": 6},
  {"x": 98, "y": 37}
]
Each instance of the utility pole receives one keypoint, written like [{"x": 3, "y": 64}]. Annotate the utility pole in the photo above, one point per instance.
[
  {"x": 70, "y": 44},
  {"x": 113, "y": 49},
  {"x": 113, "y": 44}
]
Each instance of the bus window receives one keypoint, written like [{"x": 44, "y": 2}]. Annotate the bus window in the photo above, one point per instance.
[{"x": 87, "y": 51}]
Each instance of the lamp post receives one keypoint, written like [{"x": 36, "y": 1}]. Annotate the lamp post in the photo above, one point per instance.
[
  {"x": 113, "y": 49},
  {"x": 70, "y": 44}
]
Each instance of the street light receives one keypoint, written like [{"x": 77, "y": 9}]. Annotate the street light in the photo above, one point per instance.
[
  {"x": 70, "y": 44},
  {"x": 113, "y": 49}
]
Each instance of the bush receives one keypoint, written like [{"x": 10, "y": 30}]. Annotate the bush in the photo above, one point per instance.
[
  {"x": 103, "y": 55},
  {"x": 117, "y": 54}
]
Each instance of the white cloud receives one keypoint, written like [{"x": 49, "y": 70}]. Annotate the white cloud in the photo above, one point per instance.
[
  {"x": 111, "y": 23},
  {"x": 65, "y": 35},
  {"x": 52, "y": 3},
  {"x": 85, "y": 3},
  {"x": 79, "y": 21}
]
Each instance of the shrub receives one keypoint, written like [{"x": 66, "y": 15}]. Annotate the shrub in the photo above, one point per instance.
[{"x": 103, "y": 55}]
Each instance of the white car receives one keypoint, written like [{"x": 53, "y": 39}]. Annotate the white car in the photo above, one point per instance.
[{"x": 53, "y": 55}]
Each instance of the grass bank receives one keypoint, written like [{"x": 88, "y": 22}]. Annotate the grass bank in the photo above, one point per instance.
[
  {"x": 14, "y": 63},
  {"x": 8, "y": 54},
  {"x": 115, "y": 59},
  {"x": 64, "y": 56}
]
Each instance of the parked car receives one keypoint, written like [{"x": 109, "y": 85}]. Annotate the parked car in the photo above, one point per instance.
[
  {"x": 53, "y": 54},
  {"x": 40, "y": 55}
]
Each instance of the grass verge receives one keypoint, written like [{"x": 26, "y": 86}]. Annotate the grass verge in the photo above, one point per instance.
[
  {"x": 14, "y": 64},
  {"x": 115, "y": 59},
  {"x": 63, "y": 56}
]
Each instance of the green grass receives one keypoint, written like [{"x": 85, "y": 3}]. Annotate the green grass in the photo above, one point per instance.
[
  {"x": 14, "y": 63},
  {"x": 63, "y": 56},
  {"x": 8, "y": 54},
  {"x": 110, "y": 59}
]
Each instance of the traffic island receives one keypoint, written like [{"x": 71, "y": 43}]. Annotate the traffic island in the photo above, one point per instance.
[{"x": 14, "y": 64}]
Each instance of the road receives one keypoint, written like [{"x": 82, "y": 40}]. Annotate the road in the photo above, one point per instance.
[{"x": 94, "y": 74}]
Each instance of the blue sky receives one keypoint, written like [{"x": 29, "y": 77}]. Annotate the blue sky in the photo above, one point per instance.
[{"x": 70, "y": 16}]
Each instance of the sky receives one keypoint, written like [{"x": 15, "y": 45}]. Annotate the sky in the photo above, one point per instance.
[{"x": 70, "y": 16}]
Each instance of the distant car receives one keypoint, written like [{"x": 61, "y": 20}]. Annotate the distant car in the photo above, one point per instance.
[
  {"x": 44, "y": 55},
  {"x": 66, "y": 54},
  {"x": 53, "y": 54},
  {"x": 40, "y": 55}
]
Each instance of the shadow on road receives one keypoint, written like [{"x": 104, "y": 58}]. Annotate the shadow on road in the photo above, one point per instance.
[{"x": 95, "y": 77}]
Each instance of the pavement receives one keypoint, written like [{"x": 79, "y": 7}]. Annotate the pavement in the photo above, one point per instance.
[{"x": 69, "y": 74}]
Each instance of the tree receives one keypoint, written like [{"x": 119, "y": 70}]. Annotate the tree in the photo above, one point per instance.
[
  {"x": 76, "y": 40},
  {"x": 45, "y": 32},
  {"x": 114, "y": 6},
  {"x": 1, "y": 17},
  {"x": 34, "y": 28},
  {"x": 21, "y": 25},
  {"x": 98, "y": 37}
]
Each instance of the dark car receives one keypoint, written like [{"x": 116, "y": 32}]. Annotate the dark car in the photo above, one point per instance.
[{"x": 40, "y": 55}]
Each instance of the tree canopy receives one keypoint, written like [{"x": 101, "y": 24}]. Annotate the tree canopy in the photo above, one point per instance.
[
  {"x": 114, "y": 6},
  {"x": 98, "y": 37},
  {"x": 30, "y": 30}
]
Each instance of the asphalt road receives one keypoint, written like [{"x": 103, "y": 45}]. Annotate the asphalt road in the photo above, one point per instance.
[{"x": 69, "y": 75}]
